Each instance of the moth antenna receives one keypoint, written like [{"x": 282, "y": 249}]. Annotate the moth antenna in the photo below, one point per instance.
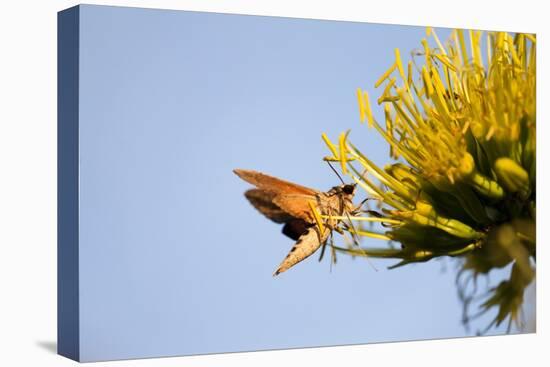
[{"x": 337, "y": 174}]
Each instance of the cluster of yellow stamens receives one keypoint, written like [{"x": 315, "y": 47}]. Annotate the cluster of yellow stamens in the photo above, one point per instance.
[{"x": 461, "y": 127}]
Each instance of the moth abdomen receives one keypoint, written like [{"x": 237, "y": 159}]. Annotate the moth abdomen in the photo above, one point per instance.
[{"x": 306, "y": 245}]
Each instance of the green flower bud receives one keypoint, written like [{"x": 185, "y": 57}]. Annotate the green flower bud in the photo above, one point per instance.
[
  {"x": 482, "y": 184},
  {"x": 511, "y": 175},
  {"x": 467, "y": 165}
]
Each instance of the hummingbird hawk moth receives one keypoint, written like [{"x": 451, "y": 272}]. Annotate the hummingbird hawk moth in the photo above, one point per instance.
[{"x": 292, "y": 204}]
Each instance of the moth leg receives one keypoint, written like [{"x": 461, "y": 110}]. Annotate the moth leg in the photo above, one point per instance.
[
  {"x": 355, "y": 240},
  {"x": 333, "y": 227},
  {"x": 334, "y": 223},
  {"x": 339, "y": 230},
  {"x": 337, "y": 227},
  {"x": 350, "y": 230},
  {"x": 330, "y": 225},
  {"x": 332, "y": 254},
  {"x": 324, "y": 247},
  {"x": 353, "y": 230}
]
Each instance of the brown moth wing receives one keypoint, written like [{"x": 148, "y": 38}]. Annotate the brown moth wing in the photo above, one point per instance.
[
  {"x": 297, "y": 205},
  {"x": 295, "y": 228},
  {"x": 306, "y": 245},
  {"x": 273, "y": 184},
  {"x": 263, "y": 201}
]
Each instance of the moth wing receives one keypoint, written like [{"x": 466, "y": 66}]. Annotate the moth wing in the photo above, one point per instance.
[
  {"x": 273, "y": 184},
  {"x": 295, "y": 228},
  {"x": 297, "y": 206},
  {"x": 263, "y": 201}
]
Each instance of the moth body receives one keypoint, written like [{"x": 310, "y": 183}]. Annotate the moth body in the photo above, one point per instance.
[{"x": 291, "y": 204}]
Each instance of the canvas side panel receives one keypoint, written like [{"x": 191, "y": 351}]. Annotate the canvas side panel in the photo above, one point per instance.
[{"x": 67, "y": 183}]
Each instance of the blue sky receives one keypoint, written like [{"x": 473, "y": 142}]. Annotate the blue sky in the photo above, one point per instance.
[{"x": 174, "y": 260}]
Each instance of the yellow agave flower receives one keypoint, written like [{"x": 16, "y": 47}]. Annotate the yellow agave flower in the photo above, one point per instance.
[{"x": 463, "y": 127}]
